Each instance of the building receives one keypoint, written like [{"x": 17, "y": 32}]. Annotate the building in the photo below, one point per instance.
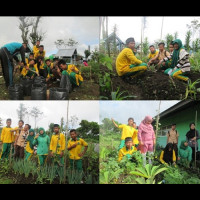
[
  {"x": 182, "y": 114},
  {"x": 69, "y": 55}
]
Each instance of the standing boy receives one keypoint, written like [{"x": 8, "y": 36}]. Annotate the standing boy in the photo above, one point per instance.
[
  {"x": 7, "y": 139},
  {"x": 74, "y": 146},
  {"x": 57, "y": 145}
]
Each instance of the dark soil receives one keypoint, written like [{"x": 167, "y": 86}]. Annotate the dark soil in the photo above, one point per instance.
[{"x": 151, "y": 86}]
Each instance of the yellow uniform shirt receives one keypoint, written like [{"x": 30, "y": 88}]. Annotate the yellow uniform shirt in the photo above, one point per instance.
[
  {"x": 152, "y": 55},
  {"x": 124, "y": 151},
  {"x": 135, "y": 137},
  {"x": 127, "y": 131},
  {"x": 35, "y": 49},
  {"x": 57, "y": 141},
  {"x": 25, "y": 71},
  {"x": 124, "y": 60},
  {"x": 162, "y": 156},
  {"x": 37, "y": 54},
  {"x": 7, "y": 136},
  {"x": 74, "y": 153},
  {"x": 28, "y": 148}
]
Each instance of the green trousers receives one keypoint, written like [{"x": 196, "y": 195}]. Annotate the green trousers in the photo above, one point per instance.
[
  {"x": 5, "y": 150},
  {"x": 42, "y": 159},
  {"x": 28, "y": 156},
  {"x": 76, "y": 164}
]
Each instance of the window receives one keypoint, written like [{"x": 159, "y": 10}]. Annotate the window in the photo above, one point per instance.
[{"x": 164, "y": 130}]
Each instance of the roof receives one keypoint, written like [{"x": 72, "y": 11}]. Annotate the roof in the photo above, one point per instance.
[
  {"x": 66, "y": 52},
  {"x": 177, "y": 107}
]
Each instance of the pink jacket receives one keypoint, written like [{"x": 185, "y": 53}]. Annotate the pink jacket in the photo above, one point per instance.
[{"x": 146, "y": 133}]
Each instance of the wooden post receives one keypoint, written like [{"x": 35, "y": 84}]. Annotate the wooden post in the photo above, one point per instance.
[
  {"x": 161, "y": 28},
  {"x": 157, "y": 122},
  {"x": 65, "y": 154}
]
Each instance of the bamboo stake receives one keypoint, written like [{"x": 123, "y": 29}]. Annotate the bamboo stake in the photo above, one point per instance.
[
  {"x": 157, "y": 122},
  {"x": 195, "y": 155},
  {"x": 65, "y": 154},
  {"x": 161, "y": 28}
]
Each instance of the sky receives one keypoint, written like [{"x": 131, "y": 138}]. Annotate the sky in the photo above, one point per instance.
[
  {"x": 131, "y": 27},
  {"x": 122, "y": 110},
  {"x": 84, "y": 30},
  {"x": 53, "y": 111}
]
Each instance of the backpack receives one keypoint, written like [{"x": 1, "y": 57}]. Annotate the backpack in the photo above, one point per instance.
[{"x": 169, "y": 133}]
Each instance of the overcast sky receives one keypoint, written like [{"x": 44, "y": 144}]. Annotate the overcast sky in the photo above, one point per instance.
[
  {"x": 122, "y": 110},
  {"x": 53, "y": 111},
  {"x": 85, "y": 30},
  {"x": 131, "y": 27}
]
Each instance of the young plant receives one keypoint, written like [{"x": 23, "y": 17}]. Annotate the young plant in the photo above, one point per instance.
[
  {"x": 119, "y": 95},
  {"x": 191, "y": 89}
]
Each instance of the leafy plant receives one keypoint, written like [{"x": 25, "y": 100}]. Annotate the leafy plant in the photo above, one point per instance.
[
  {"x": 191, "y": 89},
  {"x": 118, "y": 95}
]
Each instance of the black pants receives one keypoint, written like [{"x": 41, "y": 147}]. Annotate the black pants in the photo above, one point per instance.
[
  {"x": 6, "y": 61},
  {"x": 43, "y": 72}
]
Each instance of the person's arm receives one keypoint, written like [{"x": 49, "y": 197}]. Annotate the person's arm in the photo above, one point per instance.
[
  {"x": 177, "y": 136},
  {"x": 71, "y": 147},
  {"x": 114, "y": 123},
  {"x": 85, "y": 144},
  {"x": 35, "y": 141},
  {"x": 22, "y": 52},
  {"x": 120, "y": 156},
  {"x": 140, "y": 136},
  {"x": 2, "y": 135},
  {"x": 133, "y": 58},
  {"x": 161, "y": 158},
  {"x": 154, "y": 58}
]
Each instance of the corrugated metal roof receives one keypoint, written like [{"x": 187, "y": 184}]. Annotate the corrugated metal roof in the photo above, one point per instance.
[{"x": 66, "y": 52}]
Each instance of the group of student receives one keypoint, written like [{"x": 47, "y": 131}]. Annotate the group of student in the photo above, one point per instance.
[
  {"x": 36, "y": 65},
  {"x": 143, "y": 139},
  {"x": 174, "y": 62},
  {"x": 22, "y": 143}
]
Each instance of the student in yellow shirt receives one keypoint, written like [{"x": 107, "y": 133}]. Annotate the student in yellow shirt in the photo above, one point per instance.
[
  {"x": 31, "y": 57},
  {"x": 7, "y": 139},
  {"x": 74, "y": 147},
  {"x": 168, "y": 155},
  {"x": 128, "y": 150},
  {"x": 40, "y": 53},
  {"x": 135, "y": 135},
  {"x": 127, "y": 131},
  {"x": 29, "y": 150},
  {"x": 30, "y": 71},
  {"x": 153, "y": 53},
  {"x": 36, "y": 47},
  {"x": 42, "y": 67},
  {"x": 57, "y": 145},
  {"x": 127, "y": 65}
]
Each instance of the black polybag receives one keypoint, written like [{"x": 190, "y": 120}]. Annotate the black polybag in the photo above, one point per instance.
[
  {"x": 16, "y": 92},
  {"x": 27, "y": 85},
  {"x": 65, "y": 83},
  {"x": 58, "y": 94},
  {"x": 39, "y": 92},
  {"x": 38, "y": 80}
]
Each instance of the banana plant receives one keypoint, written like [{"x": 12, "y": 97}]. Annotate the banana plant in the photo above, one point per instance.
[{"x": 191, "y": 89}]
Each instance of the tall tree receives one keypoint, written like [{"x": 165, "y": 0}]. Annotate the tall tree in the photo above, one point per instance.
[
  {"x": 188, "y": 40},
  {"x": 87, "y": 53},
  {"x": 71, "y": 42},
  {"x": 59, "y": 43},
  {"x": 36, "y": 34},
  {"x": 169, "y": 38},
  {"x": 194, "y": 26},
  {"x": 21, "y": 111},
  {"x": 25, "y": 23},
  {"x": 73, "y": 121},
  {"x": 145, "y": 46},
  {"x": 36, "y": 114}
]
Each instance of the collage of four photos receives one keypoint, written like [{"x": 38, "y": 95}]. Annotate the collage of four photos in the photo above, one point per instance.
[{"x": 99, "y": 100}]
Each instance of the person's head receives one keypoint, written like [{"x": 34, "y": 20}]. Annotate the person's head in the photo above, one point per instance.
[
  {"x": 173, "y": 126},
  {"x": 41, "y": 48},
  {"x": 128, "y": 142},
  {"x": 73, "y": 134},
  {"x": 32, "y": 62},
  {"x": 24, "y": 45},
  {"x": 177, "y": 44},
  {"x": 148, "y": 119},
  {"x": 161, "y": 46},
  {"x": 169, "y": 147},
  {"x": 41, "y": 131},
  {"x": 27, "y": 127},
  {"x": 38, "y": 43},
  {"x": 185, "y": 143},
  {"x": 130, "y": 121},
  {"x": 55, "y": 60},
  {"x": 192, "y": 126},
  {"x": 56, "y": 128},
  {"x": 48, "y": 62},
  {"x": 62, "y": 64},
  {"x": 21, "y": 123},
  {"x": 171, "y": 47},
  {"x": 8, "y": 122},
  {"x": 40, "y": 58},
  {"x": 130, "y": 43},
  {"x": 152, "y": 48},
  {"x": 31, "y": 132},
  {"x": 31, "y": 56}
]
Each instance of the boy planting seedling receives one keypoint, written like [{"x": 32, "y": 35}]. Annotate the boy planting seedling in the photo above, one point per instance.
[
  {"x": 57, "y": 146},
  {"x": 128, "y": 150},
  {"x": 74, "y": 147}
]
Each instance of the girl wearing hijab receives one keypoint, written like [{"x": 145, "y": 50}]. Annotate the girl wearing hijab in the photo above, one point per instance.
[
  {"x": 180, "y": 61},
  {"x": 185, "y": 153},
  {"x": 192, "y": 136},
  {"x": 146, "y": 137},
  {"x": 29, "y": 150},
  {"x": 168, "y": 155},
  {"x": 42, "y": 141}
]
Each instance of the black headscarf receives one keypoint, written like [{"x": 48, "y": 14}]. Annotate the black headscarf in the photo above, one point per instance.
[
  {"x": 191, "y": 133},
  {"x": 168, "y": 155}
]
